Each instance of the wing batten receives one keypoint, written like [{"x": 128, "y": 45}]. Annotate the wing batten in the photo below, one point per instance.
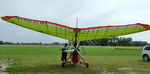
[
  {"x": 106, "y": 32},
  {"x": 96, "y": 33}
]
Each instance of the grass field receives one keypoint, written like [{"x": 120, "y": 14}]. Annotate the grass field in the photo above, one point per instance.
[{"x": 46, "y": 60}]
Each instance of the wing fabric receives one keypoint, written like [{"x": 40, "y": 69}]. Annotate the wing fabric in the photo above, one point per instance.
[
  {"x": 68, "y": 33},
  {"x": 46, "y": 27},
  {"x": 110, "y": 31}
]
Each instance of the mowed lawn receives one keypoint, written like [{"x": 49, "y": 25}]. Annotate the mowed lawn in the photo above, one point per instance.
[{"x": 29, "y": 59}]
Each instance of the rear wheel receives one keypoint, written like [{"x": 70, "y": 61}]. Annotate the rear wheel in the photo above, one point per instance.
[
  {"x": 87, "y": 66},
  {"x": 145, "y": 58}
]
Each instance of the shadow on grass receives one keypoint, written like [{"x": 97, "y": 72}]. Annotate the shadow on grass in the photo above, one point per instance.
[
  {"x": 142, "y": 61},
  {"x": 69, "y": 69},
  {"x": 53, "y": 68}
]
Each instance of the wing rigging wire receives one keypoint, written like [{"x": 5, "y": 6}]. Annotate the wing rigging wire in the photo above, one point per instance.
[
  {"x": 140, "y": 29},
  {"x": 56, "y": 30},
  {"x": 87, "y": 34},
  {"x": 96, "y": 33},
  {"x": 47, "y": 28},
  {"x": 106, "y": 32},
  {"x": 136, "y": 27},
  {"x": 115, "y": 30},
  {"x": 125, "y": 29},
  {"x": 65, "y": 32}
]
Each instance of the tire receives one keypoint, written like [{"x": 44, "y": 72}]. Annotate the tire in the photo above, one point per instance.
[
  {"x": 87, "y": 66},
  {"x": 146, "y": 58},
  {"x": 80, "y": 62}
]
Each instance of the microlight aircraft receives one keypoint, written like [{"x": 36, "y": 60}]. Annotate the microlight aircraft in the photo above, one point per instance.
[{"x": 75, "y": 35}]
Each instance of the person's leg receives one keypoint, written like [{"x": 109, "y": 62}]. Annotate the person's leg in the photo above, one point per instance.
[
  {"x": 65, "y": 56},
  {"x": 62, "y": 56}
]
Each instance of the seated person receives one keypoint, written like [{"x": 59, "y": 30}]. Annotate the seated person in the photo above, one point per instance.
[{"x": 75, "y": 53}]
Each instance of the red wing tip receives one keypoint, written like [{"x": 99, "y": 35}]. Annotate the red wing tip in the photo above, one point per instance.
[
  {"x": 146, "y": 26},
  {"x": 8, "y": 17}
]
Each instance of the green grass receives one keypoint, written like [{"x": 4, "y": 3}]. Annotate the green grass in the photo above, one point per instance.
[{"x": 46, "y": 60}]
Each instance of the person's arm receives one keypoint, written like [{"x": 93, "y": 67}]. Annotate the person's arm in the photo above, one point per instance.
[{"x": 61, "y": 49}]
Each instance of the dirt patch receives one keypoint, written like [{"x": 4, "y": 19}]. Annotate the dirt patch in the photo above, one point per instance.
[
  {"x": 4, "y": 65},
  {"x": 124, "y": 68}
]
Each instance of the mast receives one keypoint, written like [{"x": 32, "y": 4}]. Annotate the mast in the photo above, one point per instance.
[{"x": 76, "y": 34}]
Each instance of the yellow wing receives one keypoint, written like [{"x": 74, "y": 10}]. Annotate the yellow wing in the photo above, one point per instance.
[{"x": 68, "y": 33}]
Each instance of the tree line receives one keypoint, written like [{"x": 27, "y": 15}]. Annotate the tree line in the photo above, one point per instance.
[
  {"x": 113, "y": 41},
  {"x": 32, "y": 43},
  {"x": 21, "y": 43}
]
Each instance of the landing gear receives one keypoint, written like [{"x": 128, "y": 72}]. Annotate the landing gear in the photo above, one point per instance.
[
  {"x": 87, "y": 64},
  {"x": 75, "y": 55}
]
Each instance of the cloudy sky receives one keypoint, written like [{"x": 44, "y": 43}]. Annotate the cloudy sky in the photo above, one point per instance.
[{"x": 89, "y": 12}]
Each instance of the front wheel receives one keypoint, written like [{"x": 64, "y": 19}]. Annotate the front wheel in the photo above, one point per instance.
[
  {"x": 87, "y": 66},
  {"x": 145, "y": 58}
]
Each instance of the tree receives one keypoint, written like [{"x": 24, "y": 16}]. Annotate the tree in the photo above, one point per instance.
[
  {"x": 55, "y": 43},
  {"x": 103, "y": 42},
  {"x": 113, "y": 41},
  {"x": 1, "y": 42},
  {"x": 85, "y": 43},
  {"x": 8, "y": 43},
  {"x": 124, "y": 41},
  {"x": 139, "y": 43}
]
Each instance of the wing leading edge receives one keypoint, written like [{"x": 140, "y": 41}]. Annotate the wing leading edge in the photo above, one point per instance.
[{"x": 68, "y": 33}]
